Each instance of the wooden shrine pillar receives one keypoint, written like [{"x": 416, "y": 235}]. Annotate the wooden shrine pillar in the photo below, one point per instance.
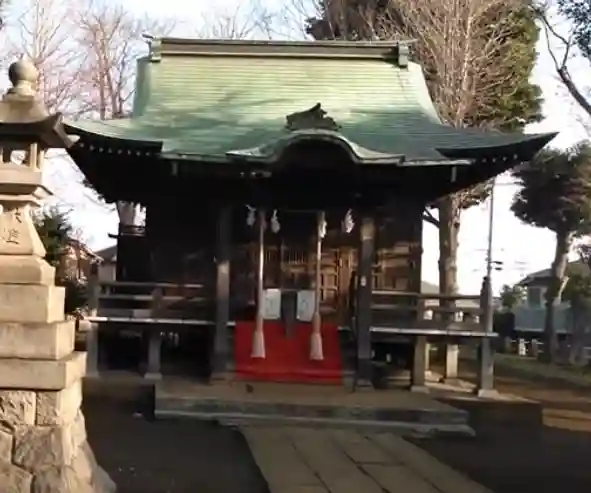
[
  {"x": 486, "y": 358},
  {"x": 420, "y": 356},
  {"x": 365, "y": 255},
  {"x": 221, "y": 357},
  {"x": 154, "y": 339},
  {"x": 258, "y": 336}
]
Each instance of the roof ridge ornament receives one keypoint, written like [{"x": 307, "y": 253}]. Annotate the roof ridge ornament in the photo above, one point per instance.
[
  {"x": 314, "y": 118},
  {"x": 154, "y": 47},
  {"x": 403, "y": 54}
]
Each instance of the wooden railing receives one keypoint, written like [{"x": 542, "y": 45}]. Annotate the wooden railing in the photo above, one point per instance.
[
  {"x": 399, "y": 309},
  {"x": 156, "y": 302}
]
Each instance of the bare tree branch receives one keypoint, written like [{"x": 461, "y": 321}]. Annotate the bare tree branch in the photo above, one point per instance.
[
  {"x": 111, "y": 39},
  {"x": 251, "y": 20},
  {"x": 567, "y": 44},
  {"x": 430, "y": 218}
]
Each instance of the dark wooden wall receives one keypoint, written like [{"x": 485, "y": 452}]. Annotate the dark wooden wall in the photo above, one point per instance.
[{"x": 181, "y": 238}]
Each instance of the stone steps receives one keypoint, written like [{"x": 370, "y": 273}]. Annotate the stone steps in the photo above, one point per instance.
[{"x": 416, "y": 420}]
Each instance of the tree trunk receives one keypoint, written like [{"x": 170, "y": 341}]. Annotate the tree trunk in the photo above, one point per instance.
[
  {"x": 556, "y": 284},
  {"x": 449, "y": 230}
]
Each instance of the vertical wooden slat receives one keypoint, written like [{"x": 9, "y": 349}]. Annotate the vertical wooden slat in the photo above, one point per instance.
[
  {"x": 363, "y": 312},
  {"x": 155, "y": 339},
  {"x": 316, "y": 352},
  {"x": 221, "y": 348},
  {"x": 258, "y": 341}
]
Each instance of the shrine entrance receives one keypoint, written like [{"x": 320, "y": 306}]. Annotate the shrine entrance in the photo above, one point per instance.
[
  {"x": 301, "y": 273},
  {"x": 291, "y": 268}
]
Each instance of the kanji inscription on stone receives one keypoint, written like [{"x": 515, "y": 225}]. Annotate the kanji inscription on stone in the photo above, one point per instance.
[
  {"x": 9, "y": 227},
  {"x": 11, "y": 236}
]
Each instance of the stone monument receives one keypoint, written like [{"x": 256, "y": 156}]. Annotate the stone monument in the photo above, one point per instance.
[{"x": 43, "y": 446}]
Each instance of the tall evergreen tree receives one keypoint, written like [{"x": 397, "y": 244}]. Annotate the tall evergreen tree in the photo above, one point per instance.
[
  {"x": 56, "y": 233},
  {"x": 478, "y": 57},
  {"x": 556, "y": 194}
]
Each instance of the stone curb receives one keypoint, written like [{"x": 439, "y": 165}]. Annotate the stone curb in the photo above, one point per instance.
[{"x": 416, "y": 430}]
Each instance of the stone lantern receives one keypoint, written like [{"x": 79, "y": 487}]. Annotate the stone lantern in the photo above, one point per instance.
[{"x": 43, "y": 446}]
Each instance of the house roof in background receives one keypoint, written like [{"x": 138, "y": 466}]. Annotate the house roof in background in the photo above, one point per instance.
[
  {"x": 83, "y": 248},
  {"x": 108, "y": 254},
  {"x": 577, "y": 267}
]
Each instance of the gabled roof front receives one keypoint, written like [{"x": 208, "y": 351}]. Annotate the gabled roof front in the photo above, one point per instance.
[{"x": 227, "y": 100}]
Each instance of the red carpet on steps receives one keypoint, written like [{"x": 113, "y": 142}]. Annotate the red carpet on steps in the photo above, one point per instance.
[{"x": 288, "y": 358}]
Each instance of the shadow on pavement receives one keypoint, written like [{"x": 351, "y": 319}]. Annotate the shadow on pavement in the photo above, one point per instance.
[
  {"x": 166, "y": 456},
  {"x": 543, "y": 447}
]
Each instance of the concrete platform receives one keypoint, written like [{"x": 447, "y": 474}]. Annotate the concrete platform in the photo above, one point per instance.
[{"x": 239, "y": 403}]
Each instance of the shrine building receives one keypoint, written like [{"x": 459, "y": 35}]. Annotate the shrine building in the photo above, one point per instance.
[{"x": 284, "y": 185}]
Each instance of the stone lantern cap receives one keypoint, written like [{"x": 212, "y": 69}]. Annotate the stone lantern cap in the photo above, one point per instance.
[
  {"x": 24, "y": 117},
  {"x": 26, "y": 127}
]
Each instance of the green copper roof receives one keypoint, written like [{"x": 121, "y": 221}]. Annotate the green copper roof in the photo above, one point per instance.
[{"x": 202, "y": 103}]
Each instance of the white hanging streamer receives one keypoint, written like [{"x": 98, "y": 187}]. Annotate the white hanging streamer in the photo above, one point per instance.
[
  {"x": 322, "y": 228},
  {"x": 250, "y": 218},
  {"x": 348, "y": 223},
  {"x": 275, "y": 226}
]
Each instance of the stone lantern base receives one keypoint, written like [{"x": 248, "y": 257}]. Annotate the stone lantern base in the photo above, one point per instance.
[{"x": 43, "y": 446}]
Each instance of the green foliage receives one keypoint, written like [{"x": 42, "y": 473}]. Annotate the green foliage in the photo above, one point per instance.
[
  {"x": 55, "y": 231},
  {"x": 577, "y": 288},
  {"x": 556, "y": 191},
  {"x": 512, "y": 106},
  {"x": 578, "y": 13},
  {"x": 76, "y": 294},
  {"x": 511, "y": 296}
]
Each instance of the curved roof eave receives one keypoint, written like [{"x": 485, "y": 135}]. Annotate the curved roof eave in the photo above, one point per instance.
[
  {"x": 272, "y": 152},
  {"x": 110, "y": 130},
  {"x": 525, "y": 147}
]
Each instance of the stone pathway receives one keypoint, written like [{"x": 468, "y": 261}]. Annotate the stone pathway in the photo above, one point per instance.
[{"x": 306, "y": 460}]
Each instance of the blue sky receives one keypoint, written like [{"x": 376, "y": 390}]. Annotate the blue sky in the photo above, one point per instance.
[{"x": 521, "y": 248}]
